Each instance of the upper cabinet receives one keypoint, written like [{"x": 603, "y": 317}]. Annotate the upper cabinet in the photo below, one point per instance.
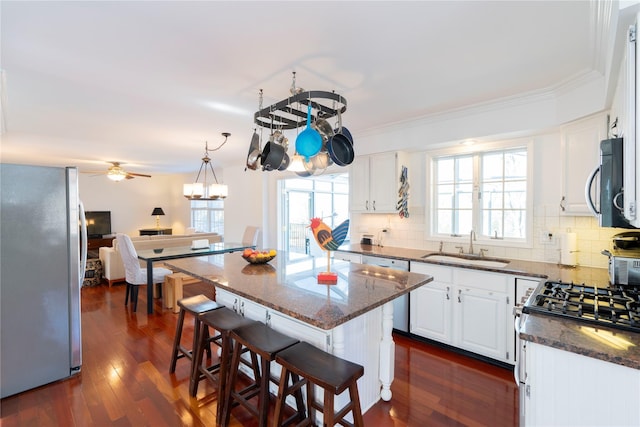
[
  {"x": 375, "y": 180},
  {"x": 580, "y": 156}
]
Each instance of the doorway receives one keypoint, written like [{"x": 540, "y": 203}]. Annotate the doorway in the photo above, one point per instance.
[{"x": 325, "y": 197}]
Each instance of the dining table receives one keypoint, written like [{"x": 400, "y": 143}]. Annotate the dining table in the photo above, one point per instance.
[{"x": 164, "y": 254}]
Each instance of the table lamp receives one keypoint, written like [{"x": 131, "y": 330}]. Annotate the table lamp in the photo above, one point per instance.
[{"x": 157, "y": 212}]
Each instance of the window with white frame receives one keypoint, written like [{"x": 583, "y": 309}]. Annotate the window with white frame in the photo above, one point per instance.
[
  {"x": 208, "y": 216},
  {"x": 484, "y": 191}
]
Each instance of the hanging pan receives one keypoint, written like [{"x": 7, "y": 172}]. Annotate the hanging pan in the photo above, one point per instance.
[
  {"x": 272, "y": 156},
  {"x": 285, "y": 162},
  {"x": 254, "y": 152},
  {"x": 340, "y": 147}
]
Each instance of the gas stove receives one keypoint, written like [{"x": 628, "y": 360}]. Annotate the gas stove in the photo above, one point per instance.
[{"x": 613, "y": 306}]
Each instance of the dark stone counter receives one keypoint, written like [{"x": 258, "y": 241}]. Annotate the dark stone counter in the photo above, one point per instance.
[
  {"x": 608, "y": 344},
  {"x": 290, "y": 286},
  {"x": 590, "y": 275}
]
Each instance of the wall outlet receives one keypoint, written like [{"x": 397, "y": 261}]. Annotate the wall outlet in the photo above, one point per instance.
[{"x": 547, "y": 238}]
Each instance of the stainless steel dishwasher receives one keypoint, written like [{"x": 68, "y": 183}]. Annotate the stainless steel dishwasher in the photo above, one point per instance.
[{"x": 400, "y": 304}]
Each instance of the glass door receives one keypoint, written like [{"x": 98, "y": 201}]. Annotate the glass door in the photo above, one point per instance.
[{"x": 325, "y": 197}]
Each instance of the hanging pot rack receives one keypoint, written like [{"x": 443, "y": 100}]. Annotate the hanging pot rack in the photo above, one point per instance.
[{"x": 291, "y": 113}]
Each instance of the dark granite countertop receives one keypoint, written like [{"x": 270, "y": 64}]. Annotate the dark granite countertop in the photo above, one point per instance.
[
  {"x": 552, "y": 271},
  {"x": 290, "y": 286},
  {"x": 608, "y": 344}
]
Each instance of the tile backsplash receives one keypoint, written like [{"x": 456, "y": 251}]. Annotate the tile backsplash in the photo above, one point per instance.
[{"x": 410, "y": 233}]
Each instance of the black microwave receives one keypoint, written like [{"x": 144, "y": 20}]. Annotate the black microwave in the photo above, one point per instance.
[{"x": 610, "y": 210}]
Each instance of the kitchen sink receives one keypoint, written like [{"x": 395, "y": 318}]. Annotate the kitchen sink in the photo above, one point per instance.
[{"x": 467, "y": 260}]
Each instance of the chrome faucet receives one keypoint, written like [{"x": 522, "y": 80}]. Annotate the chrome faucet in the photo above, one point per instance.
[{"x": 472, "y": 237}]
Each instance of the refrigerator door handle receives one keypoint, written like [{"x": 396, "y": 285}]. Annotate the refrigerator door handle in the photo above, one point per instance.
[
  {"x": 83, "y": 239},
  {"x": 77, "y": 252}
]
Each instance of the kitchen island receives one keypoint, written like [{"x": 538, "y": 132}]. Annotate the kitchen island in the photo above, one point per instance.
[{"x": 352, "y": 319}]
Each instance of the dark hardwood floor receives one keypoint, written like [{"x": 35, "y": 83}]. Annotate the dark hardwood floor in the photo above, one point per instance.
[{"x": 125, "y": 380}]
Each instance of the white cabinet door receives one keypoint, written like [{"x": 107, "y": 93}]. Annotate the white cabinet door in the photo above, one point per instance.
[
  {"x": 431, "y": 312},
  {"x": 480, "y": 312},
  {"x": 291, "y": 327},
  {"x": 374, "y": 182},
  {"x": 241, "y": 305},
  {"x": 569, "y": 389},
  {"x": 480, "y": 322},
  {"x": 229, "y": 300},
  {"x": 359, "y": 184},
  {"x": 580, "y": 156},
  {"x": 385, "y": 180},
  {"x": 466, "y": 308},
  {"x": 431, "y": 304}
]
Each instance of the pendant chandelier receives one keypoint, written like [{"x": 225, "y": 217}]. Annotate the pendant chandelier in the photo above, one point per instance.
[{"x": 204, "y": 190}]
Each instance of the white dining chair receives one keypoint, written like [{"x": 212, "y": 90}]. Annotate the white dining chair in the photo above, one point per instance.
[
  {"x": 251, "y": 236},
  {"x": 134, "y": 274}
]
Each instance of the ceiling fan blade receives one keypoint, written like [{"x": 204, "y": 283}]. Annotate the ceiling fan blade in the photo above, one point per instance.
[{"x": 139, "y": 174}]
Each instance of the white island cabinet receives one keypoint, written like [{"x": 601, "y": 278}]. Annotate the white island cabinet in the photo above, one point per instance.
[
  {"x": 365, "y": 340},
  {"x": 567, "y": 389}
]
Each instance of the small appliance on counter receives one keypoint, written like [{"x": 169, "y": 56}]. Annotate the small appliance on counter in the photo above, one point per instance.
[
  {"x": 367, "y": 239},
  {"x": 624, "y": 259}
]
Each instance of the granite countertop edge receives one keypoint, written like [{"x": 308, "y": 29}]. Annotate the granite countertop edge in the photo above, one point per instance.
[
  {"x": 534, "y": 269},
  {"x": 568, "y": 335},
  {"x": 324, "y": 324}
]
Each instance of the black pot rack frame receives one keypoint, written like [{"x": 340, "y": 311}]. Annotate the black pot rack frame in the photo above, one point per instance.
[{"x": 291, "y": 113}]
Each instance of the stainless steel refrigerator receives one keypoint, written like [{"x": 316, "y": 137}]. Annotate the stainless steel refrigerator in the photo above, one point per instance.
[{"x": 42, "y": 255}]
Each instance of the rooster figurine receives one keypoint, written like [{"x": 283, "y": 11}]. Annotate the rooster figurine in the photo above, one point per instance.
[{"x": 329, "y": 240}]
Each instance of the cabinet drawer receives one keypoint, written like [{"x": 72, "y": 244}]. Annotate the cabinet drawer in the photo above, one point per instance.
[
  {"x": 477, "y": 279},
  {"x": 439, "y": 273},
  {"x": 347, "y": 256}
]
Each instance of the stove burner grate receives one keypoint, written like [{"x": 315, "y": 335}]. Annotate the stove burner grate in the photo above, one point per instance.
[{"x": 616, "y": 306}]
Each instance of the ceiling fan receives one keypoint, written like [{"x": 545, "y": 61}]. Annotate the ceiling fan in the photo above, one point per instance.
[{"x": 116, "y": 173}]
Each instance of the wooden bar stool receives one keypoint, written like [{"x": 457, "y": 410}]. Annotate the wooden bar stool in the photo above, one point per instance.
[
  {"x": 261, "y": 341},
  {"x": 325, "y": 370},
  {"x": 172, "y": 289},
  {"x": 223, "y": 321},
  {"x": 195, "y": 305}
]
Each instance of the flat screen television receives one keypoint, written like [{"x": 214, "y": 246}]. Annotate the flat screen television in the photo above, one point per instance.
[{"x": 98, "y": 224}]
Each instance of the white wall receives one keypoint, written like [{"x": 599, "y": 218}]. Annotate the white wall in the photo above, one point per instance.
[
  {"x": 244, "y": 204},
  {"x": 131, "y": 201}
]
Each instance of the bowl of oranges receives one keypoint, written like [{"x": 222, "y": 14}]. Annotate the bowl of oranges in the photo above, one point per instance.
[{"x": 253, "y": 256}]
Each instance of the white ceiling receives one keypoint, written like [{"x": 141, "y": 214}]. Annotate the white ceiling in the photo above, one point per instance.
[{"x": 147, "y": 83}]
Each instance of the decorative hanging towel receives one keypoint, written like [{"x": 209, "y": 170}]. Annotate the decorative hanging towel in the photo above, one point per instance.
[{"x": 403, "y": 194}]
